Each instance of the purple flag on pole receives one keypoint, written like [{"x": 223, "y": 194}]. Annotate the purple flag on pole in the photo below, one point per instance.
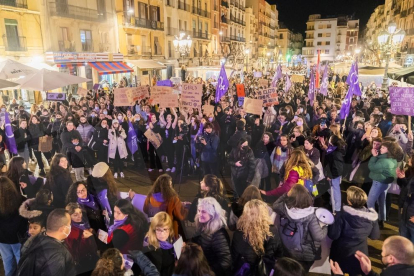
[
  {"x": 132, "y": 138},
  {"x": 346, "y": 104},
  {"x": 165, "y": 83},
  {"x": 277, "y": 76},
  {"x": 311, "y": 92},
  {"x": 352, "y": 80},
  {"x": 288, "y": 83},
  {"x": 222, "y": 84},
  {"x": 325, "y": 82},
  {"x": 10, "y": 141}
]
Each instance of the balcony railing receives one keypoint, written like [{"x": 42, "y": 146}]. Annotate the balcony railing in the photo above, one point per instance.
[
  {"x": 201, "y": 35},
  {"x": 15, "y": 43},
  {"x": 14, "y": 3},
  {"x": 145, "y": 51},
  {"x": 66, "y": 46},
  {"x": 224, "y": 20},
  {"x": 404, "y": 13},
  {"x": 201, "y": 12},
  {"x": 76, "y": 12},
  {"x": 216, "y": 25},
  {"x": 225, "y": 3},
  {"x": 87, "y": 45},
  {"x": 170, "y": 3},
  {"x": 143, "y": 23},
  {"x": 171, "y": 31},
  {"x": 237, "y": 38},
  {"x": 183, "y": 6},
  {"x": 224, "y": 39}
]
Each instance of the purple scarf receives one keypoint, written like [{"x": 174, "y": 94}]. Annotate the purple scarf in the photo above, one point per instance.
[
  {"x": 89, "y": 202},
  {"x": 117, "y": 223},
  {"x": 84, "y": 225},
  {"x": 330, "y": 149}
]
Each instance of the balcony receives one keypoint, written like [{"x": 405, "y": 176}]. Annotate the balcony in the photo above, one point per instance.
[
  {"x": 87, "y": 45},
  {"x": 66, "y": 46},
  {"x": 143, "y": 23},
  {"x": 200, "y": 35},
  {"x": 76, "y": 12},
  {"x": 183, "y": 6},
  {"x": 14, "y": 3},
  {"x": 215, "y": 25},
  {"x": 225, "y": 4},
  {"x": 170, "y": 3},
  {"x": 15, "y": 43},
  {"x": 224, "y": 38},
  {"x": 404, "y": 13},
  {"x": 145, "y": 51},
  {"x": 215, "y": 8},
  {"x": 224, "y": 20},
  {"x": 237, "y": 38},
  {"x": 201, "y": 12},
  {"x": 171, "y": 31}
]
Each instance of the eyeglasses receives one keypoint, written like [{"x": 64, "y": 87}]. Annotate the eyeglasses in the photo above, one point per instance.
[
  {"x": 161, "y": 231},
  {"x": 81, "y": 191}
]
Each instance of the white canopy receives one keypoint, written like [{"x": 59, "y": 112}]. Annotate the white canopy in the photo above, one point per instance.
[
  {"x": 45, "y": 80},
  {"x": 146, "y": 64},
  {"x": 10, "y": 69},
  {"x": 6, "y": 84}
]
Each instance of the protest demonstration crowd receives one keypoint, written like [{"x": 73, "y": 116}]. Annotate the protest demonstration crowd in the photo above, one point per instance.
[{"x": 288, "y": 144}]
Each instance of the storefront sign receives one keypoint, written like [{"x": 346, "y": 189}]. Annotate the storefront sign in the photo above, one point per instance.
[
  {"x": 253, "y": 106},
  {"x": 191, "y": 95},
  {"x": 56, "y": 96},
  {"x": 64, "y": 57},
  {"x": 402, "y": 100},
  {"x": 269, "y": 96}
]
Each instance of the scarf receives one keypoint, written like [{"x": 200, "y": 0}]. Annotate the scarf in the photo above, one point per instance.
[
  {"x": 89, "y": 202},
  {"x": 116, "y": 225},
  {"x": 83, "y": 225},
  {"x": 166, "y": 245},
  {"x": 330, "y": 149}
]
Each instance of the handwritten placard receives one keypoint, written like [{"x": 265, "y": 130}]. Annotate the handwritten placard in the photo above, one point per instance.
[
  {"x": 208, "y": 109},
  {"x": 402, "y": 100},
  {"x": 158, "y": 92},
  {"x": 175, "y": 80},
  {"x": 263, "y": 83},
  {"x": 168, "y": 101},
  {"x": 82, "y": 91},
  {"x": 269, "y": 96},
  {"x": 297, "y": 78},
  {"x": 154, "y": 138},
  {"x": 145, "y": 80},
  {"x": 129, "y": 95},
  {"x": 191, "y": 95},
  {"x": 253, "y": 106}
]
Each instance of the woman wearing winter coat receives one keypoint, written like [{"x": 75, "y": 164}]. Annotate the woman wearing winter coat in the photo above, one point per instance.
[
  {"x": 212, "y": 236},
  {"x": 406, "y": 201},
  {"x": 254, "y": 245},
  {"x": 209, "y": 143},
  {"x": 295, "y": 211},
  {"x": 242, "y": 162},
  {"x": 264, "y": 149},
  {"x": 350, "y": 231},
  {"x": 58, "y": 180},
  {"x": 167, "y": 134},
  {"x": 139, "y": 128},
  {"x": 117, "y": 151},
  {"x": 40, "y": 206},
  {"x": 36, "y": 131},
  {"x": 23, "y": 140},
  {"x": 278, "y": 157},
  {"x": 100, "y": 141},
  {"x": 382, "y": 167}
]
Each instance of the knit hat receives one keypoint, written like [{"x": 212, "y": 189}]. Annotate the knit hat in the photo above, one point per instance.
[
  {"x": 100, "y": 169},
  {"x": 115, "y": 121}
]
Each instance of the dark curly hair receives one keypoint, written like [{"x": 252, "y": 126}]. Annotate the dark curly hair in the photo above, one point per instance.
[{"x": 110, "y": 264}]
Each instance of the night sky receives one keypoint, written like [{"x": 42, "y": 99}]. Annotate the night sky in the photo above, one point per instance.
[{"x": 295, "y": 13}]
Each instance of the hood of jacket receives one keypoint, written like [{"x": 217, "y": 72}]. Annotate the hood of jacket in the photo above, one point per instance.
[
  {"x": 25, "y": 211},
  {"x": 363, "y": 213},
  {"x": 297, "y": 214}
]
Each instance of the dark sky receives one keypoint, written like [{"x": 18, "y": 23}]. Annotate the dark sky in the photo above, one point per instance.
[{"x": 295, "y": 13}]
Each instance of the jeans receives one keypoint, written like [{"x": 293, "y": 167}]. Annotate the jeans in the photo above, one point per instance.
[
  {"x": 10, "y": 253},
  {"x": 336, "y": 193},
  {"x": 378, "y": 193},
  {"x": 38, "y": 155},
  {"x": 25, "y": 154},
  {"x": 79, "y": 174},
  {"x": 407, "y": 230}
]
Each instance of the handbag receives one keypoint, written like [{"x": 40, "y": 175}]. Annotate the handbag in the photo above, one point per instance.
[{"x": 45, "y": 143}]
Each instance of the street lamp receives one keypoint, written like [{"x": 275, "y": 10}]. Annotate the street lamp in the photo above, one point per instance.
[
  {"x": 247, "y": 51},
  {"x": 182, "y": 45},
  {"x": 389, "y": 41}
]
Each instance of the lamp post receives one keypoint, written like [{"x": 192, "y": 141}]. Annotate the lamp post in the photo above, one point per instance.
[
  {"x": 182, "y": 45},
  {"x": 389, "y": 41},
  {"x": 357, "y": 51},
  {"x": 247, "y": 51}
]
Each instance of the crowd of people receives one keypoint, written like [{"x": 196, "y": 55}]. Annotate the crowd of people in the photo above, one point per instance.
[{"x": 283, "y": 165}]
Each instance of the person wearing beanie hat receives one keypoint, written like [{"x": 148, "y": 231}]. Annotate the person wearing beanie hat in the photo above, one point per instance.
[{"x": 100, "y": 169}]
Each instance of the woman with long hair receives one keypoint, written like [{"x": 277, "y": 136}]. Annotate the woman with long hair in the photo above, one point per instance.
[
  {"x": 212, "y": 236},
  {"x": 154, "y": 154},
  {"x": 162, "y": 197},
  {"x": 111, "y": 263},
  {"x": 117, "y": 151},
  {"x": 80, "y": 242},
  {"x": 264, "y": 149},
  {"x": 280, "y": 154},
  {"x": 12, "y": 225},
  {"x": 17, "y": 167},
  {"x": 58, "y": 180},
  {"x": 406, "y": 202},
  {"x": 253, "y": 242},
  {"x": 297, "y": 138},
  {"x": 294, "y": 209},
  {"x": 167, "y": 134},
  {"x": 37, "y": 131},
  {"x": 159, "y": 240},
  {"x": 297, "y": 170},
  {"x": 192, "y": 262},
  {"x": 210, "y": 186},
  {"x": 129, "y": 227},
  {"x": 100, "y": 140},
  {"x": 78, "y": 193},
  {"x": 141, "y": 155}
]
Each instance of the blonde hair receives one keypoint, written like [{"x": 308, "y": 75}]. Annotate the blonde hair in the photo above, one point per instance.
[
  {"x": 254, "y": 223},
  {"x": 161, "y": 219},
  {"x": 356, "y": 196},
  {"x": 336, "y": 130},
  {"x": 217, "y": 214},
  {"x": 298, "y": 159}
]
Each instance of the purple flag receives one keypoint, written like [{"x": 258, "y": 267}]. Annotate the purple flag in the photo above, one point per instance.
[
  {"x": 10, "y": 141},
  {"x": 288, "y": 83},
  {"x": 277, "y": 76},
  {"x": 132, "y": 139},
  {"x": 311, "y": 92},
  {"x": 222, "y": 84},
  {"x": 346, "y": 104},
  {"x": 165, "y": 83},
  {"x": 352, "y": 80},
  {"x": 325, "y": 82}
]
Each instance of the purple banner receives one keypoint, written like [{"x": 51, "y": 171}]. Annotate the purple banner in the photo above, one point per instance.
[
  {"x": 165, "y": 83},
  {"x": 10, "y": 141},
  {"x": 402, "y": 100},
  {"x": 56, "y": 96},
  {"x": 96, "y": 86}
]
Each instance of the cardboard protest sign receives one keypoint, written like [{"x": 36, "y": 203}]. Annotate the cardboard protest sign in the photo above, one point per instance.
[
  {"x": 263, "y": 83},
  {"x": 168, "y": 101},
  {"x": 129, "y": 95},
  {"x": 402, "y": 100},
  {"x": 121, "y": 98},
  {"x": 269, "y": 96},
  {"x": 297, "y": 78},
  {"x": 158, "y": 92},
  {"x": 175, "y": 80},
  {"x": 253, "y": 106},
  {"x": 154, "y": 138},
  {"x": 191, "y": 95},
  {"x": 208, "y": 109},
  {"x": 82, "y": 91},
  {"x": 240, "y": 90},
  {"x": 145, "y": 80}
]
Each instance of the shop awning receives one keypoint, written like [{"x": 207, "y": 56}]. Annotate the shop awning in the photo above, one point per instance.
[
  {"x": 147, "y": 64},
  {"x": 106, "y": 68}
]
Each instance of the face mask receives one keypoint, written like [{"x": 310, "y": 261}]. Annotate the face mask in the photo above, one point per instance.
[
  {"x": 75, "y": 144},
  {"x": 70, "y": 229},
  {"x": 3, "y": 109},
  {"x": 299, "y": 123},
  {"x": 93, "y": 115},
  {"x": 120, "y": 118},
  {"x": 287, "y": 111},
  {"x": 105, "y": 112},
  {"x": 96, "y": 108},
  {"x": 301, "y": 110},
  {"x": 16, "y": 111},
  {"x": 210, "y": 119}
]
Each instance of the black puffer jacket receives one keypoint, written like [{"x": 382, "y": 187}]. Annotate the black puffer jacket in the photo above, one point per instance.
[
  {"x": 334, "y": 164},
  {"x": 246, "y": 157},
  {"x": 242, "y": 252},
  {"x": 349, "y": 233},
  {"x": 60, "y": 187},
  {"x": 313, "y": 233},
  {"x": 45, "y": 256},
  {"x": 217, "y": 250}
]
